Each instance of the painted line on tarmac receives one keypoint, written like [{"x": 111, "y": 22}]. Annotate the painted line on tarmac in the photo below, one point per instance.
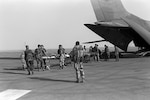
[{"x": 12, "y": 94}]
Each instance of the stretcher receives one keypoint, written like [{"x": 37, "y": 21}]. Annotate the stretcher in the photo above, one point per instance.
[{"x": 47, "y": 59}]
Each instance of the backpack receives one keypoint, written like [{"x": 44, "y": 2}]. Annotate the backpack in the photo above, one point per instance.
[{"x": 77, "y": 53}]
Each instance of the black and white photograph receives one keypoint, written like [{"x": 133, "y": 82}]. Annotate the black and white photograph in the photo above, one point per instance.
[{"x": 74, "y": 50}]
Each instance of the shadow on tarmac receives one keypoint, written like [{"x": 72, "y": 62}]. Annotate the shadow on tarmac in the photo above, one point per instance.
[
  {"x": 54, "y": 80},
  {"x": 13, "y": 73},
  {"x": 17, "y": 68}
]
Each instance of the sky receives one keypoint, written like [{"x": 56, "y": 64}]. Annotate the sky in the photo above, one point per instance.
[{"x": 53, "y": 22}]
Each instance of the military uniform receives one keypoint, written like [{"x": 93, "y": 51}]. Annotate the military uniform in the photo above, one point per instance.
[
  {"x": 116, "y": 53},
  {"x": 77, "y": 58},
  {"x": 106, "y": 53},
  {"x": 96, "y": 53},
  {"x": 38, "y": 57},
  {"x": 44, "y": 54},
  {"x": 29, "y": 58},
  {"x": 61, "y": 52},
  {"x": 22, "y": 56}
]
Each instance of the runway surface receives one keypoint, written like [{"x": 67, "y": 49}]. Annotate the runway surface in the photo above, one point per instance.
[{"x": 128, "y": 79}]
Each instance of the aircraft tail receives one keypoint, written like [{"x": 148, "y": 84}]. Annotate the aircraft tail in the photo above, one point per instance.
[{"x": 107, "y": 10}]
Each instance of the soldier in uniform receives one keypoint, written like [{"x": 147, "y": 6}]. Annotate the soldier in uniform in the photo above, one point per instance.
[
  {"x": 38, "y": 57},
  {"x": 91, "y": 52},
  {"x": 43, "y": 54},
  {"x": 106, "y": 52},
  {"x": 22, "y": 57},
  {"x": 116, "y": 53},
  {"x": 29, "y": 58},
  {"x": 61, "y": 53},
  {"x": 96, "y": 52},
  {"x": 77, "y": 54}
]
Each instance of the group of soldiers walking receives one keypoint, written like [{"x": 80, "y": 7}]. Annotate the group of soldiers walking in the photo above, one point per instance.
[
  {"x": 97, "y": 54},
  {"x": 39, "y": 53},
  {"x": 77, "y": 56},
  {"x": 29, "y": 56}
]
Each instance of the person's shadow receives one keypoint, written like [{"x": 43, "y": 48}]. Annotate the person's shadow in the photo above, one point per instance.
[
  {"x": 54, "y": 80},
  {"x": 15, "y": 68},
  {"x": 13, "y": 73}
]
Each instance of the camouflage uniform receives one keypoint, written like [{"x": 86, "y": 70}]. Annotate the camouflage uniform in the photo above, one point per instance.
[
  {"x": 107, "y": 54},
  {"x": 77, "y": 58},
  {"x": 44, "y": 54},
  {"x": 22, "y": 56},
  {"x": 96, "y": 53},
  {"x": 61, "y": 52},
  {"x": 29, "y": 58},
  {"x": 116, "y": 53},
  {"x": 38, "y": 57}
]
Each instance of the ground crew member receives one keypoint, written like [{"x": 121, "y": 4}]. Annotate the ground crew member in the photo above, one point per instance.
[
  {"x": 100, "y": 54},
  {"x": 38, "y": 57},
  {"x": 22, "y": 57},
  {"x": 116, "y": 53},
  {"x": 61, "y": 53},
  {"x": 29, "y": 58},
  {"x": 96, "y": 52},
  {"x": 43, "y": 54},
  {"x": 91, "y": 52},
  {"x": 106, "y": 53},
  {"x": 85, "y": 54},
  {"x": 77, "y": 54}
]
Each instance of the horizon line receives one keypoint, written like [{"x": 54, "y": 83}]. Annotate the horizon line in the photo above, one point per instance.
[{"x": 49, "y": 49}]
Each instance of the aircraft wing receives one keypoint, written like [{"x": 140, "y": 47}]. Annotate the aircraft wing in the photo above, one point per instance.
[
  {"x": 115, "y": 34},
  {"x": 122, "y": 32}
]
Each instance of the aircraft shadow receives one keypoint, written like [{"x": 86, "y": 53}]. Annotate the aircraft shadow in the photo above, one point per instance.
[
  {"x": 13, "y": 73},
  {"x": 54, "y": 80}
]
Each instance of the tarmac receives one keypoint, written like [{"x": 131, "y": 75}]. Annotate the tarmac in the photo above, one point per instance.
[{"x": 128, "y": 79}]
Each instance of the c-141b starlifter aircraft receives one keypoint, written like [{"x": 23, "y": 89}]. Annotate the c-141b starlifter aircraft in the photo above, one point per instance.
[{"x": 118, "y": 26}]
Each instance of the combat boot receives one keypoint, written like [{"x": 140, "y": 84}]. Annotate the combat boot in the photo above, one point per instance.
[
  {"x": 28, "y": 73},
  {"x": 32, "y": 72},
  {"x": 78, "y": 81},
  {"x": 83, "y": 80}
]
